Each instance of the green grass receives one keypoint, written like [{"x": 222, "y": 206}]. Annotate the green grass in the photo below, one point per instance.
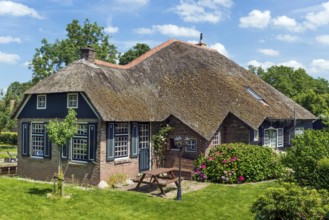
[
  {"x": 27, "y": 200},
  {"x": 4, "y": 148}
]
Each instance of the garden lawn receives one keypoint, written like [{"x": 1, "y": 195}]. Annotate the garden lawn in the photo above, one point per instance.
[
  {"x": 27, "y": 200},
  {"x": 4, "y": 148}
]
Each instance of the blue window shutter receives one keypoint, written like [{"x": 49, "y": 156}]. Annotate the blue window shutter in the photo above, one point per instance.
[
  {"x": 92, "y": 141},
  {"x": 47, "y": 143},
  {"x": 110, "y": 142},
  {"x": 65, "y": 150},
  {"x": 134, "y": 140},
  {"x": 25, "y": 139}
]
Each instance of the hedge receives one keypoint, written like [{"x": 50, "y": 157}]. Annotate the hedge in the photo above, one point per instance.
[{"x": 8, "y": 138}]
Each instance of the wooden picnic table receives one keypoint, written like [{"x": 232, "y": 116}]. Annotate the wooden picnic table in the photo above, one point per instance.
[{"x": 157, "y": 176}]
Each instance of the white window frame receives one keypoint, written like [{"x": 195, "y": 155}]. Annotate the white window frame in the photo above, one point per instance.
[
  {"x": 37, "y": 135},
  {"x": 68, "y": 100},
  {"x": 279, "y": 138},
  {"x": 299, "y": 131},
  {"x": 144, "y": 136},
  {"x": 256, "y": 135},
  {"x": 38, "y": 102},
  {"x": 190, "y": 145},
  {"x": 216, "y": 139},
  {"x": 119, "y": 135}
]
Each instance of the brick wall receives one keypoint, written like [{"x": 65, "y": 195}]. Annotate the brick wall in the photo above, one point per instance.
[
  {"x": 45, "y": 169},
  {"x": 118, "y": 166},
  {"x": 235, "y": 130},
  {"x": 180, "y": 129}
]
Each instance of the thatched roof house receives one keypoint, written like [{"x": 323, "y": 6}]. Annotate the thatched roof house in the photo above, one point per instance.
[{"x": 197, "y": 87}]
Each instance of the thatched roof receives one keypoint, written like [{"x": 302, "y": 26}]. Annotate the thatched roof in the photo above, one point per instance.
[{"x": 197, "y": 85}]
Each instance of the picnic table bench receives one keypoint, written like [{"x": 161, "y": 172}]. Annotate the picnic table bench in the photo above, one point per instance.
[
  {"x": 8, "y": 170},
  {"x": 187, "y": 166},
  {"x": 158, "y": 177}
]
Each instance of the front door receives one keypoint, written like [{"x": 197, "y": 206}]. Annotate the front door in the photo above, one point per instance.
[{"x": 144, "y": 147}]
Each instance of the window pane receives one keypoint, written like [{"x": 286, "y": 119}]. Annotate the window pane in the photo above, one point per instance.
[
  {"x": 144, "y": 136},
  {"x": 191, "y": 146},
  {"x": 121, "y": 128},
  {"x": 37, "y": 146},
  {"x": 121, "y": 146},
  {"x": 79, "y": 149},
  {"x": 216, "y": 139}
]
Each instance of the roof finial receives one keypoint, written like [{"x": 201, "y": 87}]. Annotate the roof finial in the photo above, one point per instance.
[{"x": 201, "y": 44}]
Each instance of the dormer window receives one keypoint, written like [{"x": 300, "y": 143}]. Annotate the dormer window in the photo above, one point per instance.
[
  {"x": 72, "y": 100},
  {"x": 41, "y": 101},
  {"x": 256, "y": 96}
]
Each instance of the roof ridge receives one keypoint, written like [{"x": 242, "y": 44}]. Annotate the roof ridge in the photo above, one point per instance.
[{"x": 146, "y": 55}]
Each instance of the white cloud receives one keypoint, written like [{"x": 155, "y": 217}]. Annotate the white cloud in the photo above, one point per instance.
[
  {"x": 27, "y": 63},
  {"x": 170, "y": 30},
  {"x": 220, "y": 48},
  {"x": 256, "y": 19},
  {"x": 265, "y": 65},
  {"x": 291, "y": 63},
  {"x": 323, "y": 39},
  {"x": 314, "y": 20},
  {"x": 9, "y": 58},
  {"x": 269, "y": 52},
  {"x": 287, "y": 38},
  {"x": 287, "y": 23},
  {"x": 196, "y": 11},
  {"x": 111, "y": 29},
  {"x": 319, "y": 65},
  {"x": 9, "y": 39},
  {"x": 17, "y": 10},
  {"x": 139, "y": 2}
]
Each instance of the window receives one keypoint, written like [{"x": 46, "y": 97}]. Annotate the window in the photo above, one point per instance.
[
  {"x": 80, "y": 143},
  {"x": 191, "y": 145},
  {"x": 72, "y": 100},
  {"x": 256, "y": 96},
  {"x": 216, "y": 140},
  {"x": 299, "y": 131},
  {"x": 37, "y": 139},
  {"x": 121, "y": 140},
  {"x": 144, "y": 136},
  {"x": 41, "y": 101},
  {"x": 256, "y": 135},
  {"x": 274, "y": 137}
]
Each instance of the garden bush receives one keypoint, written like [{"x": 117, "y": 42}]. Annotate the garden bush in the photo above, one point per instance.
[
  {"x": 8, "y": 138},
  {"x": 236, "y": 163},
  {"x": 322, "y": 173},
  {"x": 303, "y": 157},
  {"x": 292, "y": 202}
]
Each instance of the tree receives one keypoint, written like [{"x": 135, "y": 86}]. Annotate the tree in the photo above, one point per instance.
[
  {"x": 60, "y": 133},
  {"x": 51, "y": 57},
  {"x": 131, "y": 54}
]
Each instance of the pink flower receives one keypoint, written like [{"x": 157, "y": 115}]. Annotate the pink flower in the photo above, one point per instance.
[
  {"x": 211, "y": 158},
  {"x": 203, "y": 166},
  {"x": 225, "y": 172},
  {"x": 224, "y": 161},
  {"x": 241, "y": 178},
  {"x": 217, "y": 153},
  {"x": 233, "y": 159}
]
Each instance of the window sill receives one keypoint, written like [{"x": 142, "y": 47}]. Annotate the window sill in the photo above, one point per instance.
[
  {"x": 174, "y": 149},
  {"x": 78, "y": 163},
  {"x": 119, "y": 161}
]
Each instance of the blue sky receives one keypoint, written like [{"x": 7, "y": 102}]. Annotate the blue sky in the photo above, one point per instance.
[{"x": 262, "y": 33}]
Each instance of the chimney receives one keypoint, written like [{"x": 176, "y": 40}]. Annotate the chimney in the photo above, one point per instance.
[
  {"x": 201, "y": 44},
  {"x": 88, "y": 54}
]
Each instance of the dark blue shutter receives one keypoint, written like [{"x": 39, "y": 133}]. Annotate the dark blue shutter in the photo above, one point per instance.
[
  {"x": 134, "y": 141},
  {"x": 47, "y": 144},
  {"x": 110, "y": 142},
  {"x": 92, "y": 141},
  {"x": 65, "y": 150},
  {"x": 25, "y": 139}
]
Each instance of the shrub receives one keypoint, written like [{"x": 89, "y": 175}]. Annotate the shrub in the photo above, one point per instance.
[
  {"x": 236, "y": 163},
  {"x": 322, "y": 173},
  {"x": 8, "y": 138},
  {"x": 303, "y": 157},
  {"x": 292, "y": 202},
  {"x": 115, "y": 179}
]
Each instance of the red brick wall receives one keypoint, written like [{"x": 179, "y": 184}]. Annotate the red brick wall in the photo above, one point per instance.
[
  {"x": 180, "y": 129},
  {"x": 235, "y": 130},
  {"x": 45, "y": 169}
]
